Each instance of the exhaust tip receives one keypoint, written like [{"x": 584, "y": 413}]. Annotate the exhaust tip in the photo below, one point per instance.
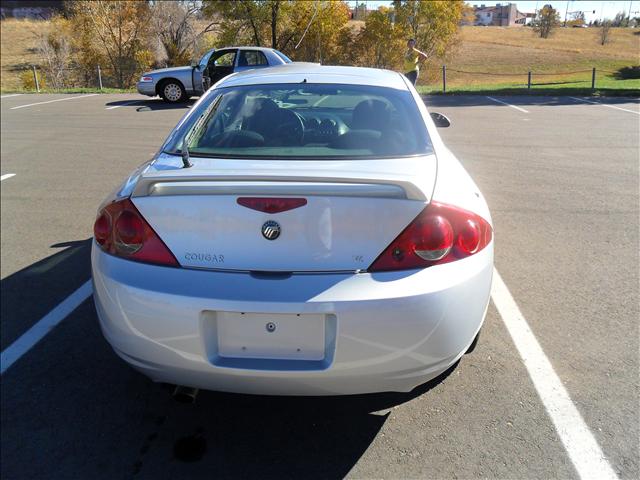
[{"x": 185, "y": 394}]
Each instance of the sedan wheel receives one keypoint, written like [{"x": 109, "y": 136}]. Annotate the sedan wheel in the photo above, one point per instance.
[{"x": 173, "y": 92}]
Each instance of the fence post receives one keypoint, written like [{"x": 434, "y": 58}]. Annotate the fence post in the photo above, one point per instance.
[
  {"x": 529, "y": 81},
  {"x": 593, "y": 79},
  {"x": 35, "y": 78},
  {"x": 444, "y": 79},
  {"x": 99, "y": 78}
]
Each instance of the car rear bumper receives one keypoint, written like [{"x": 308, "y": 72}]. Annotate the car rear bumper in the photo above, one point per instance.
[
  {"x": 147, "y": 88},
  {"x": 356, "y": 333}
]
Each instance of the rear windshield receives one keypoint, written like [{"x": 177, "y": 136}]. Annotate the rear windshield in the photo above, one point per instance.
[
  {"x": 304, "y": 121},
  {"x": 282, "y": 56}
]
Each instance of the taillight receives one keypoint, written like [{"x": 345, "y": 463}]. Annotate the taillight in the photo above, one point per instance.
[
  {"x": 271, "y": 204},
  {"x": 121, "y": 230},
  {"x": 439, "y": 234}
]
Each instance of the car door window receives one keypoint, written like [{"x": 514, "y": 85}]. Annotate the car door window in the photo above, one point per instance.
[
  {"x": 204, "y": 61},
  {"x": 252, "y": 58},
  {"x": 223, "y": 59}
]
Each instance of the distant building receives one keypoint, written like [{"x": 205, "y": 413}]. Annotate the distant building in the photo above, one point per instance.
[{"x": 501, "y": 15}]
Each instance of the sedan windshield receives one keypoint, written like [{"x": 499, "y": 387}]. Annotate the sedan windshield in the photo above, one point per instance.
[{"x": 304, "y": 121}]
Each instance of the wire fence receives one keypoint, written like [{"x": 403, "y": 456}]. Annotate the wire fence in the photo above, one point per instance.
[
  {"x": 37, "y": 78},
  {"x": 527, "y": 80}
]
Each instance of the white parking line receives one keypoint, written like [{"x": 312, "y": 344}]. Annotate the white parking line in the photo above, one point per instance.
[
  {"x": 581, "y": 446},
  {"x": 7, "y": 175},
  {"x": 123, "y": 104},
  {"x": 56, "y": 100},
  {"x": 508, "y": 104},
  {"x": 10, "y": 95},
  {"x": 604, "y": 105},
  {"x": 47, "y": 323}
]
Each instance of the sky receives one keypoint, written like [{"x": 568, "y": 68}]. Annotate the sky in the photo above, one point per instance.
[{"x": 602, "y": 9}]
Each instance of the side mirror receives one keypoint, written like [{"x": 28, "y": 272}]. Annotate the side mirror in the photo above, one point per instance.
[{"x": 440, "y": 120}]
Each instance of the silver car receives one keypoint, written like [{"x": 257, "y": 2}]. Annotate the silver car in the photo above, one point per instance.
[
  {"x": 303, "y": 231},
  {"x": 177, "y": 84}
]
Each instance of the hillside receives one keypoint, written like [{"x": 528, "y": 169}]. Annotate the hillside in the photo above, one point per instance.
[
  {"x": 507, "y": 54},
  {"x": 18, "y": 39}
]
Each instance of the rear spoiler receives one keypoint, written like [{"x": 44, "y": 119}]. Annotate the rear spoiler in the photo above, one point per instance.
[{"x": 268, "y": 183}]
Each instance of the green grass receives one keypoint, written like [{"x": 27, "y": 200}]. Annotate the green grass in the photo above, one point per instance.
[
  {"x": 604, "y": 87},
  {"x": 70, "y": 90}
]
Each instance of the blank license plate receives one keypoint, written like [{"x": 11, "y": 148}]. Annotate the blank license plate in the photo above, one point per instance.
[{"x": 271, "y": 336}]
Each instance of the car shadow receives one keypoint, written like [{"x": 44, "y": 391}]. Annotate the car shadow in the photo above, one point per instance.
[
  {"x": 29, "y": 294},
  {"x": 72, "y": 407},
  {"x": 151, "y": 104}
]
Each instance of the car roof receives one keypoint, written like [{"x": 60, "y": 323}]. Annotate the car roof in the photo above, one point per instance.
[
  {"x": 262, "y": 49},
  {"x": 299, "y": 72}
]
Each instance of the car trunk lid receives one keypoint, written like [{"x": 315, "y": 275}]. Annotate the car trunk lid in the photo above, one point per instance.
[{"x": 351, "y": 211}]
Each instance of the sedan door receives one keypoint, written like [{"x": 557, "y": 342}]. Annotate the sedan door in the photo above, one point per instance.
[{"x": 220, "y": 65}]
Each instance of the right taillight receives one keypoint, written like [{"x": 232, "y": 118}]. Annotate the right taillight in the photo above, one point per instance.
[
  {"x": 439, "y": 234},
  {"x": 121, "y": 230}
]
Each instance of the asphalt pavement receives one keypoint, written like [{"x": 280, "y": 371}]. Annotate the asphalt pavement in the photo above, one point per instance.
[{"x": 561, "y": 177}]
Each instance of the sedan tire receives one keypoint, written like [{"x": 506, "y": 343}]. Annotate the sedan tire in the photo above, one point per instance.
[{"x": 172, "y": 91}]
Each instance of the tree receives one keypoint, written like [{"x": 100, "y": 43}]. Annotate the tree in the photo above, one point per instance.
[
  {"x": 325, "y": 25},
  {"x": 54, "y": 50},
  {"x": 620, "y": 20},
  {"x": 380, "y": 43},
  {"x": 115, "y": 32},
  {"x": 434, "y": 25},
  {"x": 268, "y": 22},
  {"x": 547, "y": 20},
  {"x": 577, "y": 18},
  {"x": 605, "y": 30},
  {"x": 468, "y": 15},
  {"x": 174, "y": 24},
  {"x": 303, "y": 29}
]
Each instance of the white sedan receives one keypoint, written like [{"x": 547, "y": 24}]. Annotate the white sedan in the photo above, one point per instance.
[{"x": 302, "y": 231}]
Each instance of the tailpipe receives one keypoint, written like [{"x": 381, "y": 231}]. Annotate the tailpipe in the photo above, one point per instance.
[{"x": 185, "y": 394}]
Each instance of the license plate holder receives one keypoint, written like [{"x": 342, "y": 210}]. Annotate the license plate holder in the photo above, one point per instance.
[{"x": 271, "y": 336}]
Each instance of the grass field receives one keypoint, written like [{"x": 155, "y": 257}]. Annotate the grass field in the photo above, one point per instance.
[
  {"x": 500, "y": 57},
  {"x": 487, "y": 58},
  {"x": 18, "y": 39}
]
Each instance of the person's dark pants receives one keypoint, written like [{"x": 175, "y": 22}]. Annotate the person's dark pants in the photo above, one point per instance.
[{"x": 412, "y": 76}]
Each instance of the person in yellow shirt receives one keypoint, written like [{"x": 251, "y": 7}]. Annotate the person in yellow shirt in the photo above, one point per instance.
[{"x": 411, "y": 61}]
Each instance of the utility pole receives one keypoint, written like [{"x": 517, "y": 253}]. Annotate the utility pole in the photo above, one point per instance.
[{"x": 566, "y": 11}]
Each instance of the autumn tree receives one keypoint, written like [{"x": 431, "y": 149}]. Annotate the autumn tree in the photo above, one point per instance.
[
  {"x": 325, "y": 27},
  {"x": 468, "y": 15},
  {"x": 546, "y": 21},
  {"x": 577, "y": 19},
  {"x": 434, "y": 25},
  {"x": 381, "y": 42},
  {"x": 306, "y": 30},
  {"x": 265, "y": 22},
  {"x": 174, "y": 24},
  {"x": 54, "y": 49},
  {"x": 112, "y": 32}
]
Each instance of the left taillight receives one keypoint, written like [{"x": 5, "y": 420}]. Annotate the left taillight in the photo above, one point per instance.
[
  {"x": 122, "y": 231},
  {"x": 439, "y": 234}
]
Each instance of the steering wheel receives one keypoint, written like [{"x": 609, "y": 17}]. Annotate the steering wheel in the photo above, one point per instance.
[{"x": 290, "y": 128}]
